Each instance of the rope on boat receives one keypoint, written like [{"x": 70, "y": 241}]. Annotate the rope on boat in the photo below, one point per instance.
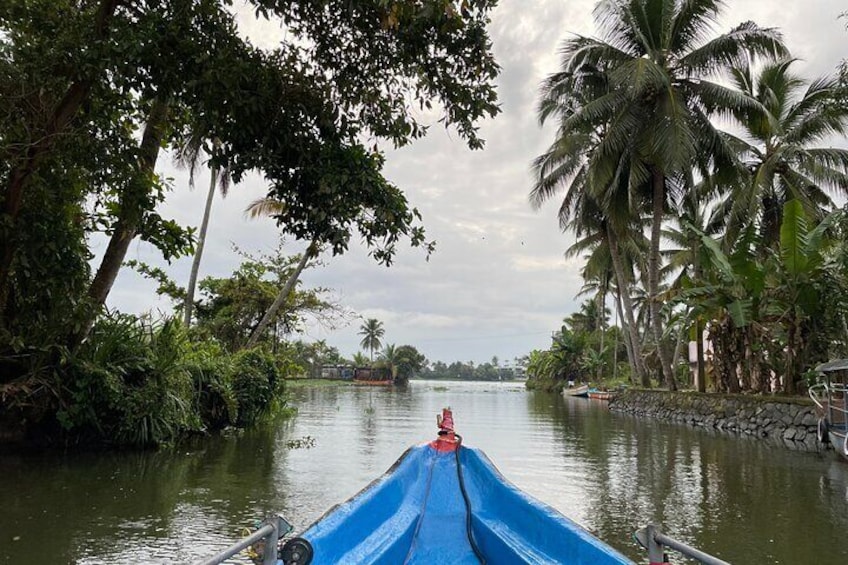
[{"x": 468, "y": 532}]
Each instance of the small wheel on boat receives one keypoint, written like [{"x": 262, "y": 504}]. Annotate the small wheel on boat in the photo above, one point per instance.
[
  {"x": 296, "y": 551},
  {"x": 822, "y": 432}
]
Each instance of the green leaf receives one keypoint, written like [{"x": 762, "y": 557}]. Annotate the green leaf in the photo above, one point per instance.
[{"x": 793, "y": 238}]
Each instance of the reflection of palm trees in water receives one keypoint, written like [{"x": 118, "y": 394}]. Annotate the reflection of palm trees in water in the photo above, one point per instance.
[{"x": 368, "y": 430}]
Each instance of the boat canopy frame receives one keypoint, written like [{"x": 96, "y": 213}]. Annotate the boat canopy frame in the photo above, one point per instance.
[{"x": 831, "y": 399}]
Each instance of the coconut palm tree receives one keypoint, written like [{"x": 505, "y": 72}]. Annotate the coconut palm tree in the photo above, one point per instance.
[
  {"x": 189, "y": 156},
  {"x": 269, "y": 207},
  {"x": 602, "y": 217},
  {"x": 783, "y": 155},
  {"x": 652, "y": 118},
  {"x": 371, "y": 330}
]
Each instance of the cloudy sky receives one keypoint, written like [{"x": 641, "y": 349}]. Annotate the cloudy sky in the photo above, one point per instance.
[{"x": 497, "y": 284}]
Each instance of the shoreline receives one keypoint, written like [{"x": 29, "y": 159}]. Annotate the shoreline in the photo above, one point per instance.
[{"x": 787, "y": 421}]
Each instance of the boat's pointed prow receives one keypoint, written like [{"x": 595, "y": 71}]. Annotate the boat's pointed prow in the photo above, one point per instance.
[
  {"x": 448, "y": 439},
  {"x": 444, "y": 503}
]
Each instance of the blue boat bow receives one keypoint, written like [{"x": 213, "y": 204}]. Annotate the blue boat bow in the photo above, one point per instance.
[{"x": 444, "y": 503}]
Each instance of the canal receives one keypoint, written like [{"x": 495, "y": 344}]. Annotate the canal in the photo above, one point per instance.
[{"x": 745, "y": 501}]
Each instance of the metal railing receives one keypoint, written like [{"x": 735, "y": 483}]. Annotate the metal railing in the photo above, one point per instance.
[
  {"x": 651, "y": 538},
  {"x": 272, "y": 530},
  {"x": 828, "y": 396}
]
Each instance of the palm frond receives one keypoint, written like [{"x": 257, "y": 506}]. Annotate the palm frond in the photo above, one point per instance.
[
  {"x": 265, "y": 207},
  {"x": 820, "y": 123},
  {"x": 614, "y": 20},
  {"x": 694, "y": 19},
  {"x": 732, "y": 49},
  {"x": 581, "y": 52},
  {"x": 672, "y": 141},
  {"x": 821, "y": 91}
]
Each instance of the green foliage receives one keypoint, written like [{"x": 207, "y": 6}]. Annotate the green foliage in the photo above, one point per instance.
[
  {"x": 165, "y": 284},
  {"x": 212, "y": 381},
  {"x": 408, "y": 361},
  {"x": 127, "y": 383},
  {"x": 82, "y": 82},
  {"x": 134, "y": 382},
  {"x": 230, "y": 308},
  {"x": 256, "y": 381}
]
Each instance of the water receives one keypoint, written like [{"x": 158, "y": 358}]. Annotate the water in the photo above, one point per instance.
[{"x": 743, "y": 500}]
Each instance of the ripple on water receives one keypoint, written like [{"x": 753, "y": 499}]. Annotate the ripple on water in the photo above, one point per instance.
[{"x": 746, "y": 501}]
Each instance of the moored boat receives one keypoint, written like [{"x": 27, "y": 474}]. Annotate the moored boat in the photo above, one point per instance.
[
  {"x": 601, "y": 394},
  {"x": 446, "y": 503},
  {"x": 577, "y": 391},
  {"x": 372, "y": 376},
  {"x": 831, "y": 399}
]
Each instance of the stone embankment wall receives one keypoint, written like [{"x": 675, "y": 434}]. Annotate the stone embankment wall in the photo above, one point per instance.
[{"x": 791, "y": 422}]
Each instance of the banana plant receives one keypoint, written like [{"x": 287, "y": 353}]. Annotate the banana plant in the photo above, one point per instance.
[{"x": 796, "y": 272}]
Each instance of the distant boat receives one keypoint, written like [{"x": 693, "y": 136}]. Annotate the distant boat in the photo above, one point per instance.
[
  {"x": 578, "y": 391},
  {"x": 600, "y": 394},
  {"x": 373, "y": 376},
  {"x": 831, "y": 400},
  {"x": 445, "y": 503}
]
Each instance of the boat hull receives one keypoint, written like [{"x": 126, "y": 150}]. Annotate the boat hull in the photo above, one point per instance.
[
  {"x": 578, "y": 391},
  {"x": 416, "y": 513},
  {"x": 386, "y": 382},
  {"x": 839, "y": 441}
]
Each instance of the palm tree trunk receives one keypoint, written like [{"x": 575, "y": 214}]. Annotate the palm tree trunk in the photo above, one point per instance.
[
  {"x": 284, "y": 294},
  {"x": 701, "y": 384},
  {"x": 700, "y": 373},
  {"x": 628, "y": 343},
  {"x": 602, "y": 304},
  {"x": 615, "y": 342},
  {"x": 129, "y": 218},
  {"x": 678, "y": 348},
  {"x": 790, "y": 369},
  {"x": 201, "y": 240},
  {"x": 658, "y": 182},
  {"x": 624, "y": 293}
]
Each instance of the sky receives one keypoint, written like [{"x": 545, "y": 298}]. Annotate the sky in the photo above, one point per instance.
[{"x": 498, "y": 283}]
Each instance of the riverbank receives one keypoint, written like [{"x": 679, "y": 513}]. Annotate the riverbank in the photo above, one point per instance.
[
  {"x": 311, "y": 383},
  {"x": 788, "y": 421}
]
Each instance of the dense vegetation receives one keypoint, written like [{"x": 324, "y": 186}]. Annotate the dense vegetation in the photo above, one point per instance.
[
  {"x": 731, "y": 234},
  {"x": 93, "y": 93}
]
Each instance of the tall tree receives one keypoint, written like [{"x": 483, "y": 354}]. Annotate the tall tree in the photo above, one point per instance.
[
  {"x": 785, "y": 155},
  {"x": 82, "y": 75},
  {"x": 602, "y": 216},
  {"x": 371, "y": 331},
  {"x": 189, "y": 156},
  {"x": 688, "y": 260},
  {"x": 656, "y": 107},
  {"x": 271, "y": 207}
]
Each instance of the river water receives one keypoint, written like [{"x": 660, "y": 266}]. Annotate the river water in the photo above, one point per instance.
[{"x": 745, "y": 501}]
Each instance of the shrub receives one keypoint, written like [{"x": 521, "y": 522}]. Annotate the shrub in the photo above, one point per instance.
[
  {"x": 256, "y": 381},
  {"x": 211, "y": 374},
  {"x": 128, "y": 384}
]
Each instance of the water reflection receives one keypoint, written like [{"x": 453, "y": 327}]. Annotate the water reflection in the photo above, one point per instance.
[{"x": 747, "y": 501}]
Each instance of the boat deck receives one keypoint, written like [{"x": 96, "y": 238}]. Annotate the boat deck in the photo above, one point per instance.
[{"x": 416, "y": 514}]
